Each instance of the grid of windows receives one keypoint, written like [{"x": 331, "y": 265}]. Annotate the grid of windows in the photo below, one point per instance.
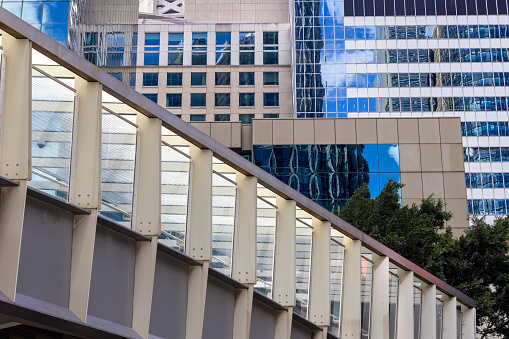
[
  {"x": 150, "y": 79},
  {"x": 488, "y": 206},
  {"x": 486, "y": 154},
  {"x": 246, "y": 42},
  {"x": 174, "y": 100},
  {"x": 484, "y": 129},
  {"x": 174, "y": 79},
  {"x": 487, "y": 180},
  {"x": 151, "y": 57},
  {"x": 426, "y": 32}
]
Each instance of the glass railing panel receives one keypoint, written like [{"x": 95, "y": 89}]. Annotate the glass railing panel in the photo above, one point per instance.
[
  {"x": 440, "y": 309},
  {"x": 303, "y": 259},
  {"x": 393, "y": 304},
  {"x": 336, "y": 279},
  {"x": 52, "y": 126},
  {"x": 224, "y": 201},
  {"x": 417, "y": 312},
  {"x": 265, "y": 234},
  {"x": 119, "y": 140},
  {"x": 175, "y": 169},
  {"x": 366, "y": 293}
]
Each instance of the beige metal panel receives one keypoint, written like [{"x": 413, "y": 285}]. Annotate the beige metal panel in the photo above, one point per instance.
[
  {"x": 242, "y": 312},
  {"x": 244, "y": 254},
  {"x": 147, "y": 206},
  {"x": 409, "y": 158},
  {"x": 199, "y": 234},
  {"x": 405, "y": 317},
  {"x": 85, "y": 185},
  {"x": 429, "y": 131},
  {"x": 387, "y": 131},
  {"x": 303, "y": 132},
  {"x": 284, "y": 324},
  {"x": 319, "y": 288},
  {"x": 452, "y": 157},
  {"x": 468, "y": 323},
  {"x": 380, "y": 297},
  {"x": 459, "y": 209},
  {"x": 83, "y": 242},
  {"x": 429, "y": 311},
  {"x": 144, "y": 273},
  {"x": 196, "y": 296},
  {"x": 222, "y": 132},
  {"x": 366, "y": 131},
  {"x": 413, "y": 185},
  {"x": 16, "y": 124},
  {"x": 12, "y": 211},
  {"x": 408, "y": 131},
  {"x": 236, "y": 135},
  {"x": 346, "y": 132},
  {"x": 351, "y": 300},
  {"x": 409, "y": 202},
  {"x": 450, "y": 329},
  {"x": 450, "y": 130},
  {"x": 262, "y": 132},
  {"x": 433, "y": 183},
  {"x": 454, "y": 185},
  {"x": 202, "y": 126},
  {"x": 247, "y": 137},
  {"x": 431, "y": 157},
  {"x": 325, "y": 133},
  {"x": 284, "y": 253},
  {"x": 282, "y": 132}
]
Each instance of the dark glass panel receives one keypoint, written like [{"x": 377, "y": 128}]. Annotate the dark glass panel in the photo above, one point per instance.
[
  {"x": 420, "y": 7},
  {"x": 502, "y": 7},
  {"x": 451, "y": 7},
  {"x": 461, "y": 8},
  {"x": 348, "y": 7},
  {"x": 369, "y": 9},
  {"x": 358, "y": 8},
  {"x": 430, "y": 7},
  {"x": 400, "y": 8},
  {"x": 481, "y": 7},
  {"x": 409, "y": 7},
  {"x": 379, "y": 7},
  {"x": 389, "y": 7},
  {"x": 492, "y": 7},
  {"x": 471, "y": 7},
  {"x": 440, "y": 7}
]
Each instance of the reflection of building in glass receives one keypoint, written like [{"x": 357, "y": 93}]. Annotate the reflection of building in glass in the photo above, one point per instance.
[{"x": 329, "y": 174}]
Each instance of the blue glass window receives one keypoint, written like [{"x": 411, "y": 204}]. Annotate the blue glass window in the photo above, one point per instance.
[
  {"x": 174, "y": 79},
  {"x": 198, "y": 99},
  {"x": 151, "y": 96},
  {"x": 174, "y": 100},
  {"x": 150, "y": 79},
  {"x": 55, "y": 12},
  {"x": 198, "y": 79},
  {"x": 270, "y": 99},
  {"x": 222, "y": 99},
  {"x": 246, "y": 99}
]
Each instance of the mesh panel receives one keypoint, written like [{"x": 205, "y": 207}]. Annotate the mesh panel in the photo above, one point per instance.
[
  {"x": 336, "y": 271},
  {"x": 265, "y": 230},
  {"x": 303, "y": 258}
]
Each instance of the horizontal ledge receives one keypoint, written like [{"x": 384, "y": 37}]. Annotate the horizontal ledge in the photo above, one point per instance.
[
  {"x": 226, "y": 279},
  {"x": 177, "y": 255},
  {"x": 4, "y": 182},
  {"x": 56, "y": 201},
  {"x": 269, "y": 302},
  {"x": 114, "y": 226},
  {"x": 304, "y": 322}
]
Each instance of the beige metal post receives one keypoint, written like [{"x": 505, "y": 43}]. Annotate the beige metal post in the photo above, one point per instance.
[
  {"x": 15, "y": 154},
  {"x": 380, "y": 299},
  {"x": 147, "y": 211},
  {"x": 146, "y": 219},
  {"x": 319, "y": 286},
  {"x": 85, "y": 189},
  {"x": 405, "y": 318},
  {"x": 428, "y": 311},
  {"x": 244, "y": 254},
  {"x": 351, "y": 303},
  {"x": 284, "y": 254},
  {"x": 284, "y": 324},
  {"x": 468, "y": 323},
  {"x": 199, "y": 238},
  {"x": 450, "y": 319}
]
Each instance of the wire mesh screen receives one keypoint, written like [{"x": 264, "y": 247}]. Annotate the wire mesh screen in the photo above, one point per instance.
[
  {"x": 393, "y": 304},
  {"x": 176, "y": 168},
  {"x": 303, "y": 257},
  {"x": 119, "y": 139},
  {"x": 224, "y": 196},
  {"x": 265, "y": 233},
  {"x": 52, "y": 125},
  {"x": 336, "y": 276},
  {"x": 417, "y": 312}
]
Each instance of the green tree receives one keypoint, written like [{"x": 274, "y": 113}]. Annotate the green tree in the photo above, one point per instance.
[{"x": 475, "y": 263}]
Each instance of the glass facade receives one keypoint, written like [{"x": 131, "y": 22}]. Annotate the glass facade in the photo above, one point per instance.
[{"x": 329, "y": 174}]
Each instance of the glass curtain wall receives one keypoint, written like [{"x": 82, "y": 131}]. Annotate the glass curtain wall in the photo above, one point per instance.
[
  {"x": 53, "y": 107},
  {"x": 175, "y": 170}
]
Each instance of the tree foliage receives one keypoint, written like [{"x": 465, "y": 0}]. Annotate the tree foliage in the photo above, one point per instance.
[{"x": 476, "y": 263}]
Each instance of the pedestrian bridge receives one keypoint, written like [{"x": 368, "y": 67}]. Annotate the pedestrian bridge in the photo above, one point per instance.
[{"x": 120, "y": 220}]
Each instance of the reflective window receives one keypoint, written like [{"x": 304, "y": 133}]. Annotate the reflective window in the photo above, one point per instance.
[
  {"x": 198, "y": 79},
  {"x": 198, "y": 99},
  {"x": 173, "y": 100},
  {"x": 222, "y": 78},
  {"x": 270, "y": 78},
  {"x": 222, "y": 99},
  {"x": 221, "y": 117},
  {"x": 246, "y": 79},
  {"x": 174, "y": 79},
  {"x": 151, "y": 96},
  {"x": 197, "y": 117},
  {"x": 246, "y": 99},
  {"x": 150, "y": 79}
]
